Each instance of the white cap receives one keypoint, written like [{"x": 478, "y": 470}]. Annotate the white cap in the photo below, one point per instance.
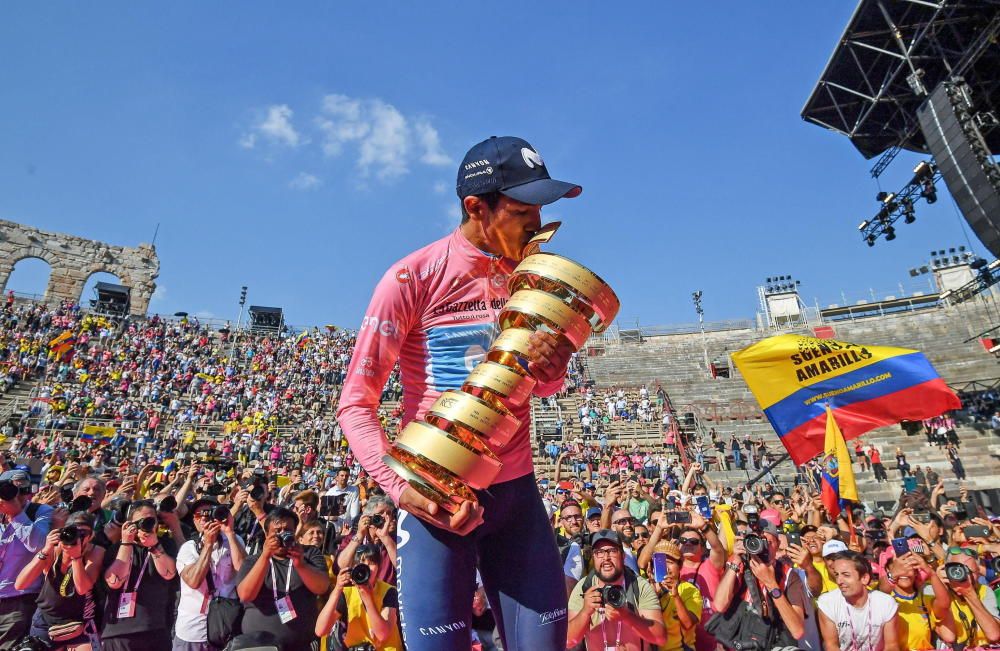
[{"x": 833, "y": 546}]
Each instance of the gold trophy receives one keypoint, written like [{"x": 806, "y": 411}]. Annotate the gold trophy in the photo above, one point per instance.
[{"x": 450, "y": 452}]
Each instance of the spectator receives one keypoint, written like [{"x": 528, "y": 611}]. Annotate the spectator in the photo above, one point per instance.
[
  {"x": 601, "y": 624},
  {"x": 24, "y": 530},
  {"x": 207, "y": 565},
  {"x": 349, "y": 497},
  {"x": 851, "y": 617},
  {"x": 973, "y": 604},
  {"x": 369, "y": 608},
  {"x": 680, "y": 602},
  {"x": 377, "y": 529},
  {"x": 138, "y": 571},
  {"x": 70, "y": 565},
  {"x": 278, "y": 587}
]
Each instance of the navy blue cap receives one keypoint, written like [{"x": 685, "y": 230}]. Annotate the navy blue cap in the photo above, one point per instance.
[{"x": 512, "y": 167}]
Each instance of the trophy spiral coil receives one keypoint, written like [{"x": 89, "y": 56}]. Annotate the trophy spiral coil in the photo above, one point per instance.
[{"x": 450, "y": 453}]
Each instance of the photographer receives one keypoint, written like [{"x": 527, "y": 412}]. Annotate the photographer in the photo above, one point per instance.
[
  {"x": 24, "y": 527},
  {"x": 139, "y": 570},
  {"x": 351, "y": 495},
  {"x": 278, "y": 587},
  {"x": 207, "y": 566},
  {"x": 973, "y": 604},
  {"x": 306, "y": 507},
  {"x": 919, "y": 615},
  {"x": 680, "y": 601},
  {"x": 250, "y": 507},
  {"x": 70, "y": 565},
  {"x": 612, "y": 607},
  {"x": 368, "y": 606},
  {"x": 770, "y": 586},
  {"x": 377, "y": 527}
]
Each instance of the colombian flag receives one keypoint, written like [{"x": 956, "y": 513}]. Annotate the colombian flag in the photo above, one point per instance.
[
  {"x": 98, "y": 433},
  {"x": 795, "y": 378},
  {"x": 62, "y": 344},
  {"x": 303, "y": 339},
  {"x": 837, "y": 474}
]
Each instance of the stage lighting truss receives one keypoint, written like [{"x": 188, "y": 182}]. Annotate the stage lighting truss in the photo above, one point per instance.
[{"x": 900, "y": 205}]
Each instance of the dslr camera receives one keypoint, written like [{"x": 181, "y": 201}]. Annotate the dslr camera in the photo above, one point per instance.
[
  {"x": 755, "y": 545},
  {"x": 286, "y": 539},
  {"x": 613, "y": 595},
  {"x": 69, "y": 535},
  {"x": 956, "y": 572},
  {"x": 360, "y": 574},
  {"x": 378, "y": 520}
]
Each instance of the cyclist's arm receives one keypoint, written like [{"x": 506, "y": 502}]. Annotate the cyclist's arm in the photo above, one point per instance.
[{"x": 386, "y": 324}]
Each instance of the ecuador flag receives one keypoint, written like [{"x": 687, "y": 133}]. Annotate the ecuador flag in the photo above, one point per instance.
[
  {"x": 795, "y": 377},
  {"x": 837, "y": 474}
]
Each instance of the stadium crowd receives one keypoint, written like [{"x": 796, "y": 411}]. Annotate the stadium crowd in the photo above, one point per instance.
[{"x": 223, "y": 508}]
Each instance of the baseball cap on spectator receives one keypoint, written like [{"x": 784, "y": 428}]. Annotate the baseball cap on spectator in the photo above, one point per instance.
[
  {"x": 203, "y": 501},
  {"x": 766, "y": 526},
  {"x": 19, "y": 478},
  {"x": 608, "y": 535},
  {"x": 593, "y": 512},
  {"x": 833, "y": 546},
  {"x": 771, "y": 516},
  {"x": 512, "y": 167}
]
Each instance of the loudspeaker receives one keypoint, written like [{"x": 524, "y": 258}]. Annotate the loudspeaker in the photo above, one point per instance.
[{"x": 960, "y": 153}]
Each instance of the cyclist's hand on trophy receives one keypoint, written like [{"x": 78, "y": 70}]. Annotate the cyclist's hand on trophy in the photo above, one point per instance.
[
  {"x": 547, "y": 357},
  {"x": 468, "y": 517}
]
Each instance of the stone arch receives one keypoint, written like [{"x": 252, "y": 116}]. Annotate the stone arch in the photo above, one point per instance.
[
  {"x": 73, "y": 259},
  {"x": 8, "y": 280}
]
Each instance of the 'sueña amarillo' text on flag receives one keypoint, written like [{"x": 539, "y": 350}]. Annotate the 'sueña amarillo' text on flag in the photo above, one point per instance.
[
  {"x": 794, "y": 377},
  {"x": 837, "y": 473}
]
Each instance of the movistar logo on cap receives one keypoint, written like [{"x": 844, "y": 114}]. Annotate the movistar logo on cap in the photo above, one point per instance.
[{"x": 531, "y": 158}]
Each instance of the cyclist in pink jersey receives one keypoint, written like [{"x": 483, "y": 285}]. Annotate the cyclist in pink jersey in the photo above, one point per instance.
[{"x": 435, "y": 313}]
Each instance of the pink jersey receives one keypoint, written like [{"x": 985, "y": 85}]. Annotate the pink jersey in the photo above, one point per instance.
[{"x": 435, "y": 312}]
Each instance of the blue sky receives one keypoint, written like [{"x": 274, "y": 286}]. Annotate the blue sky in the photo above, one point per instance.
[{"x": 301, "y": 148}]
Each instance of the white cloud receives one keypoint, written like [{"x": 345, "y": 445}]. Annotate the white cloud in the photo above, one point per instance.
[
  {"x": 430, "y": 142},
  {"x": 275, "y": 128},
  {"x": 305, "y": 181},
  {"x": 386, "y": 141}
]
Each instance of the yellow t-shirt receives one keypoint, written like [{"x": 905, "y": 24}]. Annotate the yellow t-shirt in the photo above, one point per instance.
[
  {"x": 357, "y": 620},
  {"x": 915, "y": 621},
  {"x": 828, "y": 583},
  {"x": 692, "y": 600},
  {"x": 965, "y": 619}
]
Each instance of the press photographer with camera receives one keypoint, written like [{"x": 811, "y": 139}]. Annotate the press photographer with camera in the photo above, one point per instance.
[
  {"x": 139, "y": 604},
  {"x": 250, "y": 507},
  {"x": 207, "y": 565},
  {"x": 376, "y": 527},
  {"x": 759, "y": 599},
  {"x": 24, "y": 527},
  {"x": 306, "y": 506},
  {"x": 973, "y": 604},
  {"x": 350, "y": 495},
  {"x": 69, "y": 565},
  {"x": 279, "y": 585},
  {"x": 367, "y": 605},
  {"x": 612, "y": 608}
]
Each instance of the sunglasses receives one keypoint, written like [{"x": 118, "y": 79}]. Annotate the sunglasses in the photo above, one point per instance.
[
  {"x": 642, "y": 535},
  {"x": 968, "y": 551},
  {"x": 624, "y": 521},
  {"x": 689, "y": 541}
]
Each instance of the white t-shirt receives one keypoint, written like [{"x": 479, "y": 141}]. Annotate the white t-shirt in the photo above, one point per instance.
[
  {"x": 352, "y": 502},
  {"x": 192, "y": 609},
  {"x": 859, "y": 629}
]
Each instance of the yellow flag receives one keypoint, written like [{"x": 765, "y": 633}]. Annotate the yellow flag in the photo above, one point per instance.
[{"x": 838, "y": 475}]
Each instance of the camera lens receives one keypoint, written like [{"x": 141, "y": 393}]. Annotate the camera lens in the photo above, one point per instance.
[
  {"x": 69, "y": 535},
  {"x": 220, "y": 513},
  {"x": 956, "y": 572},
  {"x": 257, "y": 493},
  {"x": 378, "y": 520},
  {"x": 360, "y": 574},
  {"x": 613, "y": 595},
  {"x": 286, "y": 538},
  {"x": 81, "y": 503},
  {"x": 167, "y": 504},
  {"x": 753, "y": 544},
  {"x": 147, "y": 524}
]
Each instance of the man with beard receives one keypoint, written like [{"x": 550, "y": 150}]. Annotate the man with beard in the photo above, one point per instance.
[
  {"x": 606, "y": 620},
  {"x": 571, "y": 545},
  {"x": 623, "y": 524}
]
